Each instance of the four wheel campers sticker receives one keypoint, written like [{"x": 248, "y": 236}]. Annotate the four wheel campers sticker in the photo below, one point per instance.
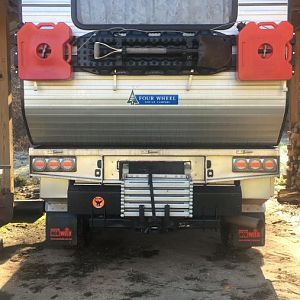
[
  {"x": 98, "y": 202},
  {"x": 153, "y": 99}
]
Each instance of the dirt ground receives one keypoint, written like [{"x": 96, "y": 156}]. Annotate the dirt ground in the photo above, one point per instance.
[{"x": 130, "y": 265}]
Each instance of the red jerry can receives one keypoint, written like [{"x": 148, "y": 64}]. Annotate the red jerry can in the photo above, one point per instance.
[
  {"x": 44, "y": 51},
  {"x": 265, "y": 51}
]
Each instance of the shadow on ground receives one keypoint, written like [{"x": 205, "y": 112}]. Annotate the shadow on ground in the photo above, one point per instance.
[
  {"x": 121, "y": 264},
  {"x": 25, "y": 218}
]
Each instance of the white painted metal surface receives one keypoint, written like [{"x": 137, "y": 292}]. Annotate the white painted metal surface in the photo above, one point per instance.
[{"x": 217, "y": 110}]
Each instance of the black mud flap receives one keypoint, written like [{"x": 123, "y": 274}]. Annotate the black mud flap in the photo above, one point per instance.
[
  {"x": 239, "y": 237},
  {"x": 61, "y": 229}
]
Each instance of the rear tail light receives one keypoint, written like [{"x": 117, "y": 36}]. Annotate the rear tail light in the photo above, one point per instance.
[
  {"x": 68, "y": 164},
  {"x": 270, "y": 164},
  {"x": 255, "y": 164},
  {"x": 240, "y": 164},
  {"x": 38, "y": 164},
  {"x": 53, "y": 164}
]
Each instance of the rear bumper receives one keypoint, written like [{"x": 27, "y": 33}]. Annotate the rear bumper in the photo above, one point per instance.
[{"x": 210, "y": 202}]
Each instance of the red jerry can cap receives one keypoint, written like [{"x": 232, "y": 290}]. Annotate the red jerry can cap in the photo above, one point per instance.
[
  {"x": 44, "y": 51},
  {"x": 265, "y": 51}
]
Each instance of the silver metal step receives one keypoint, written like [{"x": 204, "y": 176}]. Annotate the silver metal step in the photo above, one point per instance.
[{"x": 173, "y": 190}]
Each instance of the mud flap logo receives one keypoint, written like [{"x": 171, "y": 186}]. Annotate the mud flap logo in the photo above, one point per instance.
[
  {"x": 56, "y": 234},
  {"x": 246, "y": 235}
]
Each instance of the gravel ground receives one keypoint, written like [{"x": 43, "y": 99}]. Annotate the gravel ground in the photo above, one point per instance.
[{"x": 129, "y": 265}]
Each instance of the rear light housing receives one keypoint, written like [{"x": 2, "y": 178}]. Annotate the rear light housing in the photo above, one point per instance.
[
  {"x": 240, "y": 164},
  {"x": 38, "y": 164},
  {"x": 255, "y": 164},
  {"x": 53, "y": 164},
  {"x": 68, "y": 164},
  {"x": 270, "y": 164}
]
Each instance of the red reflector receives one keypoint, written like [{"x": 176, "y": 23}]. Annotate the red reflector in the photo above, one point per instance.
[
  {"x": 240, "y": 164},
  {"x": 53, "y": 164},
  {"x": 255, "y": 164},
  {"x": 39, "y": 164},
  {"x": 68, "y": 164},
  {"x": 270, "y": 164}
]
